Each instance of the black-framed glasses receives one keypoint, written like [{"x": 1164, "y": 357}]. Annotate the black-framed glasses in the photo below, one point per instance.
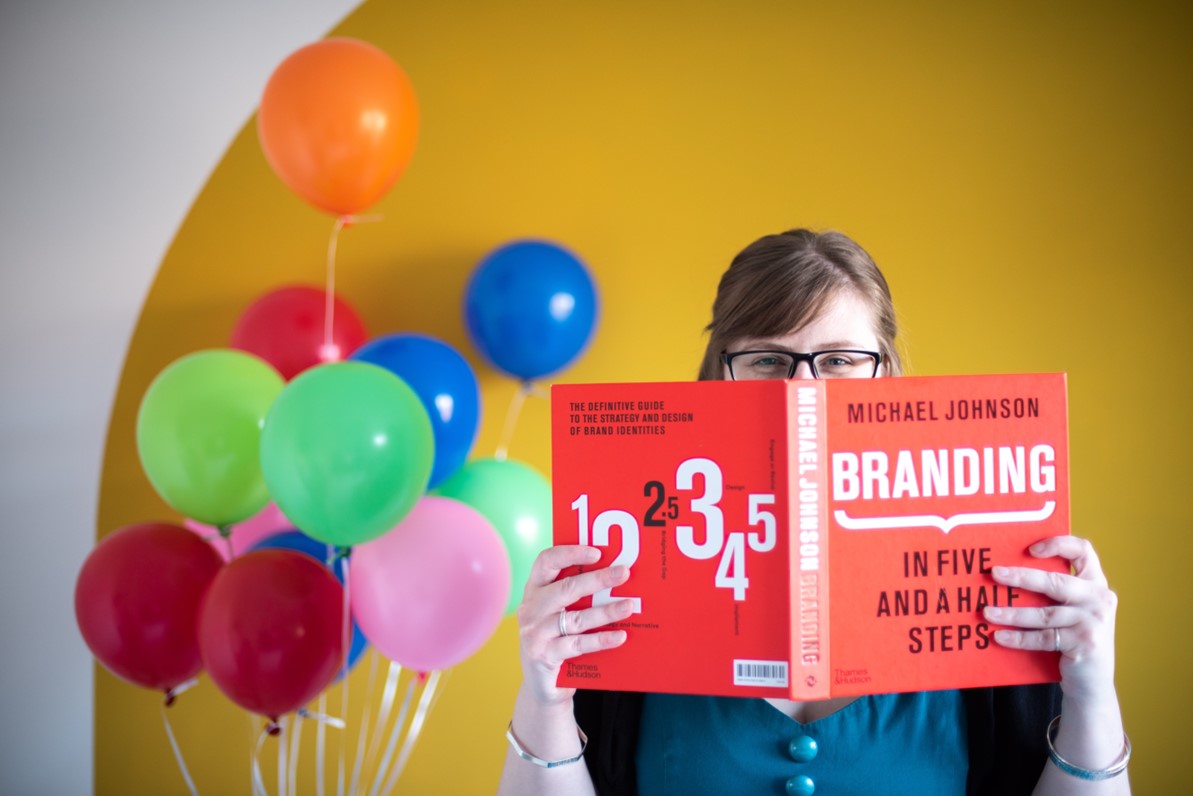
[{"x": 836, "y": 364}]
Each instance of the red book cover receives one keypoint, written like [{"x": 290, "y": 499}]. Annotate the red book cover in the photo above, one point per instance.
[{"x": 811, "y": 539}]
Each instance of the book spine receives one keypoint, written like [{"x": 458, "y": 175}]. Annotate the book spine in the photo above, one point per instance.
[{"x": 808, "y": 499}]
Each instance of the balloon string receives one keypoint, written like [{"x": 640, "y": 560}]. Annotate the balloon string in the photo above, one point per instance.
[
  {"x": 320, "y": 746},
  {"x": 345, "y": 636},
  {"x": 258, "y": 783},
  {"x": 511, "y": 419},
  {"x": 387, "y": 702},
  {"x": 330, "y": 351},
  {"x": 362, "y": 735},
  {"x": 395, "y": 733},
  {"x": 425, "y": 702},
  {"x": 186, "y": 774},
  {"x": 295, "y": 745},
  {"x": 283, "y": 788}
]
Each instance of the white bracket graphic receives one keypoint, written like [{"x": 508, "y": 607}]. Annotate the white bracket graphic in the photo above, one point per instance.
[{"x": 944, "y": 524}]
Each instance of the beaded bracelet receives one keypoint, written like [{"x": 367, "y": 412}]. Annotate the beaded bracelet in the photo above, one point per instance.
[
  {"x": 538, "y": 761},
  {"x": 1115, "y": 768}
]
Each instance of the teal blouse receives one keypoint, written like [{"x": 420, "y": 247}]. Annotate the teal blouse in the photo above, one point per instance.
[{"x": 889, "y": 744}]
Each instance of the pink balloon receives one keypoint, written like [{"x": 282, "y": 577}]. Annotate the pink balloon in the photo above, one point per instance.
[
  {"x": 430, "y": 592},
  {"x": 245, "y": 534}
]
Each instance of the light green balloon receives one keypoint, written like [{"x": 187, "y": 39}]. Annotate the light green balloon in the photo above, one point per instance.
[
  {"x": 199, "y": 431},
  {"x": 347, "y": 451},
  {"x": 517, "y": 500}
]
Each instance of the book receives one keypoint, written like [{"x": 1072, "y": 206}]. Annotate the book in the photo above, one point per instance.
[{"x": 811, "y": 539}]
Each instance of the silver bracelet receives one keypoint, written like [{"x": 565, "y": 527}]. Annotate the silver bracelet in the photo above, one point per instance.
[
  {"x": 1115, "y": 768},
  {"x": 538, "y": 761}
]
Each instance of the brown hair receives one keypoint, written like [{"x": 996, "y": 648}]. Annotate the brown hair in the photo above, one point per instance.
[{"x": 780, "y": 283}]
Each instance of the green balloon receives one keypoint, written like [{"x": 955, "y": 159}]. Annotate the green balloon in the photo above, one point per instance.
[
  {"x": 347, "y": 451},
  {"x": 199, "y": 431},
  {"x": 517, "y": 500}
]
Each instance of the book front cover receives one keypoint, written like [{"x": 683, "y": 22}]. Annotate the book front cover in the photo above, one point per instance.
[{"x": 933, "y": 481}]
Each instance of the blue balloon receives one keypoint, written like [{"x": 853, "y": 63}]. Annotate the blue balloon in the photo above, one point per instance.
[
  {"x": 445, "y": 384},
  {"x": 530, "y": 308},
  {"x": 297, "y": 540}
]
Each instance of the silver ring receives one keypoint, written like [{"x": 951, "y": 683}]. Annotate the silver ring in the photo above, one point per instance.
[
  {"x": 1056, "y": 639},
  {"x": 563, "y": 628}
]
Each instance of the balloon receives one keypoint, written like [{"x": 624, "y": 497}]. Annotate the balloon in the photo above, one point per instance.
[
  {"x": 430, "y": 592},
  {"x": 198, "y": 433},
  {"x": 517, "y": 500},
  {"x": 338, "y": 123},
  {"x": 287, "y": 328},
  {"x": 270, "y": 630},
  {"x": 346, "y": 451},
  {"x": 244, "y": 534},
  {"x": 530, "y": 308},
  {"x": 446, "y": 386},
  {"x": 136, "y": 602},
  {"x": 301, "y": 543}
]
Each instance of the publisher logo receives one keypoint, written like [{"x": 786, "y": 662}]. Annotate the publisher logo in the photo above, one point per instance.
[{"x": 851, "y": 676}]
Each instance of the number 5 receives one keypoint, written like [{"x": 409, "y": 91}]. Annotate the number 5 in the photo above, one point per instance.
[{"x": 759, "y": 515}]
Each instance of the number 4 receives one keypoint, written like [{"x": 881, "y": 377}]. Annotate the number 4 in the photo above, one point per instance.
[{"x": 731, "y": 571}]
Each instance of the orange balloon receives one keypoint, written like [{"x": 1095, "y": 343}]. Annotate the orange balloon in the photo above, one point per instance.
[{"x": 338, "y": 123}]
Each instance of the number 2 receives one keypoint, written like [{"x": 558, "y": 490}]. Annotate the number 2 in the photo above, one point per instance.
[{"x": 601, "y": 525}]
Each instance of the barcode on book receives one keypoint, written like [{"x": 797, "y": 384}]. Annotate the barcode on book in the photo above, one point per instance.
[{"x": 772, "y": 673}]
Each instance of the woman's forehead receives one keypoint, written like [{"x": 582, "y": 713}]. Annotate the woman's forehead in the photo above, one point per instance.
[{"x": 844, "y": 321}]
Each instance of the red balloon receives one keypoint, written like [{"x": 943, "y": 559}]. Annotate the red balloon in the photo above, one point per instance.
[
  {"x": 270, "y": 630},
  {"x": 137, "y": 601},
  {"x": 338, "y": 123},
  {"x": 287, "y": 328}
]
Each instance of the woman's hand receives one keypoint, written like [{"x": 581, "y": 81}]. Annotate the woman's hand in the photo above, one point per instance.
[
  {"x": 543, "y": 647},
  {"x": 1081, "y": 624}
]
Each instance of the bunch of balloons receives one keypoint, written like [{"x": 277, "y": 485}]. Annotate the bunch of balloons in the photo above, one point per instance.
[{"x": 306, "y": 448}]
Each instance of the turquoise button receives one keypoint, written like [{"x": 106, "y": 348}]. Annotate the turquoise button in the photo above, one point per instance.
[
  {"x": 803, "y": 748},
  {"x": 800, "y": 785}
]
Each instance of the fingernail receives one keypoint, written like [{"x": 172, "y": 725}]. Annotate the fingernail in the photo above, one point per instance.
[
  {"x": 618, "y": 636},
  {"x": 1001, "y": 572},
  {"x": 993, "y": 613},
  {"x": 592, "y": 554},
  {"x": 625, "y": 607},
  {"x": 1037, "y": 549},
  {"x": 620, "y": 572}
]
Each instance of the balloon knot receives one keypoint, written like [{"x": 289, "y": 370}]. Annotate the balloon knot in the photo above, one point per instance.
[
  {"x": 170, "y": 697},
  {"x": 330, "y": 352},
  {"x": 422, "y": 677},
  {"x": 273, "y": 728},
  {"x": 339, "y": 553},
  {"x": 225, "y": 530}
]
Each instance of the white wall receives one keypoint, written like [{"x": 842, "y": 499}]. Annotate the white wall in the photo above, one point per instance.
[{"x": 112, "y": 115}]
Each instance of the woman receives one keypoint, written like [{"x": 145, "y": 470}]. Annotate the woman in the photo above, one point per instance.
[{"x": 806, "y": 293}]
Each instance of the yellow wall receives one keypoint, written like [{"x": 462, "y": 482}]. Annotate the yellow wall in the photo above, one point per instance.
[{"x": 1022, "y": 174}]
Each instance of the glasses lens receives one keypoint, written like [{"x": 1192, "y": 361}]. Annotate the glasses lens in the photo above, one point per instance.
[
  {"x": 758, "y": 365},
  {"x": 844, "y": 365}
]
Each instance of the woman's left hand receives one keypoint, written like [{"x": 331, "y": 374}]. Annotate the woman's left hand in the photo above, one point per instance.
[{"x": 1080, "y": 625}]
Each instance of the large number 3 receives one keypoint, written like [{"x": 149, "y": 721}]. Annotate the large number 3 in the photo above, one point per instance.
[{"x": 705, "y": 504}]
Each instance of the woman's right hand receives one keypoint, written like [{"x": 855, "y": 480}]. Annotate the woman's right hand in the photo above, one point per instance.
[{"x": 543, "y": 647}]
